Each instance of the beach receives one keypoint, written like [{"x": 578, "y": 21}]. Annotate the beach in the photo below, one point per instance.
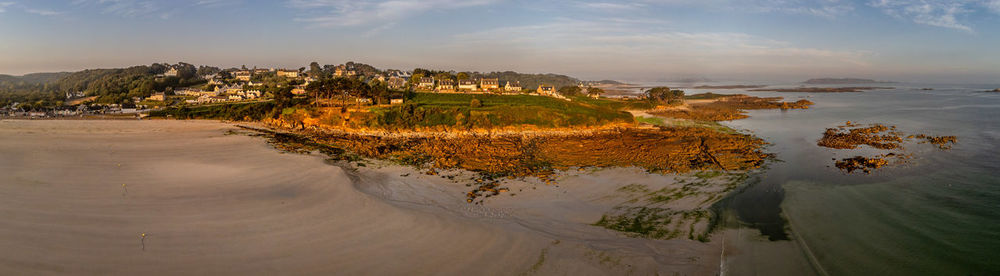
[{"x": 189, "y": 197}]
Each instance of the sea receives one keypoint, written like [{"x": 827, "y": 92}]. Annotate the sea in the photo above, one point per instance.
[{"x": 936, "y": 214}]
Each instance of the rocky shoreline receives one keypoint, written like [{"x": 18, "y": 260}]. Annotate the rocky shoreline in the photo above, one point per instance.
[{"x": 877, "y": 136}]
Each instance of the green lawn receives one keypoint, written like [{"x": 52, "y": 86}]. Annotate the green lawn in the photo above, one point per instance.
[{"x": 432, "y": 109}]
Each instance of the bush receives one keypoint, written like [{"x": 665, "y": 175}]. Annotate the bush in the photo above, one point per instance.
[{"x": 475, "y": 103}]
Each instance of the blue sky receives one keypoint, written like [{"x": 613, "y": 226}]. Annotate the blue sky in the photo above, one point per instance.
[{"x": 904, "y": 40}]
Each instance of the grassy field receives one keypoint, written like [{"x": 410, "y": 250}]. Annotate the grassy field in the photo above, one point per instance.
[
  {"x": 457, "y": 110},
  {"x": 225, "y": 111}
]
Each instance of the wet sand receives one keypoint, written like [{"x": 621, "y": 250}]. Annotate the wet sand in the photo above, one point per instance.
[{"x": 211, "y": 204}]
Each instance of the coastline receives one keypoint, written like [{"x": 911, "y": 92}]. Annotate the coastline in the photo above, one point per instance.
[{"x": 302, "y": 223}]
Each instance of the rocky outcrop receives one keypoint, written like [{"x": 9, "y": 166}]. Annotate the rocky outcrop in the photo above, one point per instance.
[
  {"x": 729, "y": 108},
  {"x": 878, "y": 136}
]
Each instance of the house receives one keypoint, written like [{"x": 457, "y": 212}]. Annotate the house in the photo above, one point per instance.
[
  {"x": 489, "y": 84},
  {"x": 512, "y": 86},
  {"x": 77, "y": 94},
  {"x": 250, "y": 94},
  {"x": 426, "y": 83},
  {"x": 235, "y": 97},
  {"x": 261, "y": 71},
  {"x": 446, "y": 86},
  {"x": 288, "y": 73},
  {"x": 217, "y": 81},
  {"x": 467, "y": 85},
  {"x": 396, "y": 83},
  {"x": 396, "y": 101},
  {"x": 171, "y": 73},
  {"x": 158, "y": 96},
  {"x": 229, "y": 89},
  {"x": 547, "y": 90},
  {"x": 243, "y": 75},
  {"x": 364, "y": 100},
  {"x": 299, "y": 90}
]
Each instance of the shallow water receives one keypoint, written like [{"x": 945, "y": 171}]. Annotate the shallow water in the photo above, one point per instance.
[{"x": 935, "y": 215}]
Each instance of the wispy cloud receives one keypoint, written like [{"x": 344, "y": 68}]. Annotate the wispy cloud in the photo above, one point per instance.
[
  {"x": 43, "y": 12},
  {"x": 611, "y": 6},
  {"x": 938, "y": 13},
  {"x": 4, "y": 5},
  {"x": 573, "y": 44},
  {"x": 822, "y": 8},
  {"x": 149, "y": 8},
  {"x": 341, "y": 13},
  {"x": 125, "y": 8}
]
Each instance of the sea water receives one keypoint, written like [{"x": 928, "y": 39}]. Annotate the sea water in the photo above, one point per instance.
[{"x": 937, "y": 214}]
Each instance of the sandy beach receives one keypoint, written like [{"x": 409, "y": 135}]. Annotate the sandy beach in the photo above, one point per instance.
[{"x": 211, "y": 203}]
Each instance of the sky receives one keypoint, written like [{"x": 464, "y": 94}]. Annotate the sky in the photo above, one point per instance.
[{"x": 954, "y": 41}]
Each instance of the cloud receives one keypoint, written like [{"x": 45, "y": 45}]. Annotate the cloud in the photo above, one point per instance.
[
  {"x": 342, "y": 13},
  {"x": 604, "y": 45},
  {"x": 43, "y": 12},
  {"x": 150, "y": 8},
  {"x": 938, "y": 13},
  {"x": 993, "y": 6},
  {"x": 607, "y": 6},
  {"x": 125, "y": 8},
  {"x": 821, "y": 8},
  {"x": 4, "y": 5}
]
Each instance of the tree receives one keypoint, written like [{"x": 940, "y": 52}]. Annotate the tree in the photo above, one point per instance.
[
  {"x": 475, "y": 103},
  {"x": 570, "y": 91},
  {"x": 663, "y": 94},
  {"x": 314, "y": 70},
  {"x": 463, "y": 76},
  {"x": 594, "y": 91},
  {"x": 443, "y": 76},
  {"x": 415, "y": 78}
]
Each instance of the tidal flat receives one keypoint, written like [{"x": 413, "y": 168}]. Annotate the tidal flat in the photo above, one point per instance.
[{"x": 185, "y": 197}]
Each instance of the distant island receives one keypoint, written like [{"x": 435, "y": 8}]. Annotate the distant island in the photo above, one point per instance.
[
  {"x": 821, "y": 89},
  {"x": 743, "y": 86},
  {"x": 842, "y": 81}
]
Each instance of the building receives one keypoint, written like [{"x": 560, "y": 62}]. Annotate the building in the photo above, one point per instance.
[
  {"x": 396, "y": 83},
  {"x": 288, "y": 73},
  {"x": 396, "y": 101},
  {"x": 229, "y": 89},
  {"x": 171, "y": 73},
  {"x": 426, "y": 83},
  {"x": 299, "y": 90},
  {"x": 243, "y": 75},
  {"x": 261, "y": 71},
  {"x": 512, "y": 86},
  {"x": 467, "y": 85},
  {"x": 77, "y": 94},
  {"x": 489, "y": 84},
  {"x": 446, "y": 86},
  {"x": 250, "y": 94},
  {"x": 158, "y": 96},
  {"x": 546, "y": 90},
  {"x": 364, "y": 100}
]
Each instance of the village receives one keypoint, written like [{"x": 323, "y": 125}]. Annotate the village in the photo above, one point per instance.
[{"x": 255, "y": 85}]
